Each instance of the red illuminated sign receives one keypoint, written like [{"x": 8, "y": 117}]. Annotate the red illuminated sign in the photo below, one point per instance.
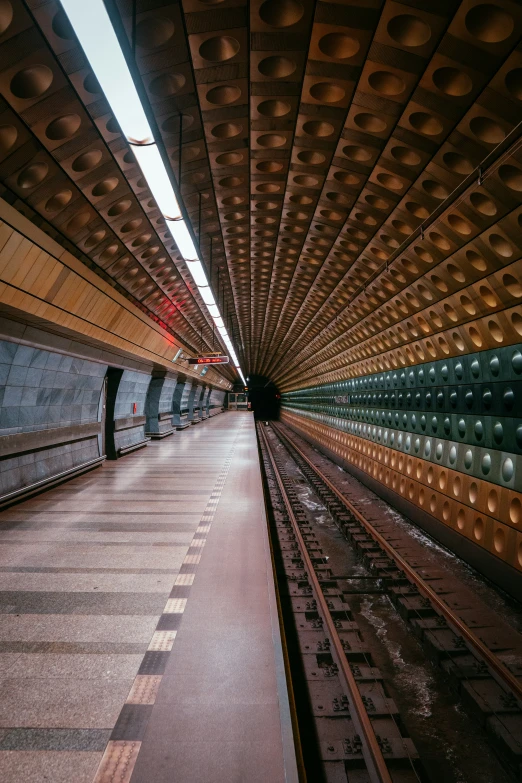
[{"x": 209, "y": 360}]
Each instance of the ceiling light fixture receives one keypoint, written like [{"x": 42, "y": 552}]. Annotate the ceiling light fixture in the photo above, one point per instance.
[{"x": 99, "y": 41}]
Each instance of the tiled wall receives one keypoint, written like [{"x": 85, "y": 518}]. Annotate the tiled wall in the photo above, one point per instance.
[
  {"x": 445, "y": 435},
  {"x": 43, "y": 390},
  {"x": 160, "y": 401},
  {"x": 133, "y": 388}
]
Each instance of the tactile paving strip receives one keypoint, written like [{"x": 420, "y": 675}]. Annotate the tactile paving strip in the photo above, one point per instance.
[{"x": 121, "y": 753}]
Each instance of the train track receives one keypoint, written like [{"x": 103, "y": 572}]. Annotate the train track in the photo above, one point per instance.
[{"x": 423, "y": 599}]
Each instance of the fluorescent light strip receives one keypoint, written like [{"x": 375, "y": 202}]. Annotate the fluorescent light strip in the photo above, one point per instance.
[{"x": 94, "y": 30}]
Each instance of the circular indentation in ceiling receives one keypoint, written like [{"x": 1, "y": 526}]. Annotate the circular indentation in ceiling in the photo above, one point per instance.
[
  {"x": 369, "y": 122},
  {"x": 277, "y": 67},
  {"x": 61, "y": 25},
  {"x": 268, "y": 187},
  {"x": 409, "y": 30},
  {"x": 63, "y": 127},
  {"x": 229, "y": 158},
  {"x": 231, "y": 182},
  {"x": 112, "y": 125},
  {"x": 311, "y": 158},
  {"x": 426, "y": 123},
  {"x": 386, "y": 83},
  {"x": 233, "y": 201},
  {"x": 8, "y": 137},
  {"x": 339, "y": 46},
  {"x": 141, "y": 239},
  {"x": 219, "y": 48},
  {"x": 91, "y": 84},
  {"x": 269, "y": 166},
  {"x": 376, "y": 201},
  {"x": 131, "y": 225},
  {"x": 234, "y": 215},
  {"x": 405, "y": 156},
  {"x": 417, "y": 210},
  {"x": 389, "y": 181},
  {"x": 274, "y": 108},
  {"x": 305, "y": 180},
  {"x": 95, "y": 239},
  {"x": 58, "y": 201},
  {"x": 434, "y": 189},
  {"x": 167, "y": 84},
  {"x": 87, "y": 160},
  {"x": 476, "y": 260},
  {"x": 345, "y": 178},
  {"x": 105, "y": 186},
  {"x": 487, "y": 130},
  {"x": 318, "y": 129},
  {"x": 154, "y": 31},
  {"x": 513, "y": 82},
  {"x": 452, "y": 82},
  {"x": 223, "y": 95},
  {"x": 359, "y": 154},
  {"x": 483, "y": 204},
  {"x": 120, "y": 207},
  {"x": 500, "y": 245},
  {"x": 456, "y": 162},
  {"x": 296, "y": 199},
  {"x": 32, "y": 175},
  {"x": 338, "y": 198},
  {"x": 171, "y": 124},
  {"x": 459, "y": 225},
  {"x": 78, "y": 222},
  {"x": 31, "y": 82},
  {"x": 266, "y": 205},
  {"x": 511, "y": 176},
  {"x": 281, "y": 13},
  {"x": 109, "y": 253},
  {"x": 226, "y": 130},
  {"x": 489, "y": 23},
  {"x": 327, "y": 92},
  {"x": 402, "y": 227},
  {"x": 188, "y": 154},
  {"x": 271, "y": 140}
]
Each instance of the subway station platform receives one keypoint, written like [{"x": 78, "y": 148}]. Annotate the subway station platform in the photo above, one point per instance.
[{"x": 139, "y": 626}]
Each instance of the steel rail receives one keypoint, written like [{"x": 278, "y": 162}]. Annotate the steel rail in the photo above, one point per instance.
[
  {"x": 372, "y": 754},
  {"x": 492, "y": 661}
]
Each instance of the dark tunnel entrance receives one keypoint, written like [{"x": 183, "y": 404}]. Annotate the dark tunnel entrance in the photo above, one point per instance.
[{"x": 264, "y": 397}]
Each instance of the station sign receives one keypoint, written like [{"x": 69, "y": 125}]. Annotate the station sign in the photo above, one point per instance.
[
  {"x": 343, "y": 399},
  {"x": 209, "y": 360}
]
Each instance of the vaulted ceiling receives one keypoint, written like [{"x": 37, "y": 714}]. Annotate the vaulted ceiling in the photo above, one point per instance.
[{"x": 328, "y": 155}]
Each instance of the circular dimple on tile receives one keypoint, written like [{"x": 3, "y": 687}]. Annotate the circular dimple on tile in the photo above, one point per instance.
[
  {"x": 311, "y": 158},
  {"x": 459, "y": 225},
  {"x": 426, "y": 123},
  {"x": 231, "y": 182},
  {"x": 476, "y": 260},
  {"x": 402, "y": 227},
  {"x": 223, "y": 95},
  {"x": 376, "y": 201},
  {"x": 78, "y": 222},
  {"x": 234, "y": 215},
  {"x": 405, "y": 156},
  {"x": 171, "y": 124},
  {"x": 131, "y": 225},
  {"x": 452, "y": 82},
  {"x": 512, "y": 285},
  {"x": 338, "y": 198},
  {"x": 87, "y": 160},
  {"x": 63, "y": 127},
  {"x": 141, "y": 239},
  {"x": 58, "y": 201},
  {"x": 154, "y": 31},
  {"x": 386, "y": 83},
  {"x": 281, "y": 13},
  {"x": 268, "y": 187},
  {"x": 511, "y": 176},
  {"x": 229, "y": 158},
  {"x": 31, "y": 82},
  {"x": 345, "y": 178},
  {"x": 61, "y": 25},
  {"x": 409, "y": 30},
  {"x": 108, "y": 253},
  {"x": 277, "y": 67},
  {"x": 513, "y": 82},
  {"x": 305, "y": 180},
  {"x": 359, "y": 154},
  {"x": 439, "y": 241},
  {"x": 327, "y": 92},
  {"x": 105, "y": 186},
  {"x": 369, "y": 122},
  {"x": 233, "y": 201},
  {"x": 483, "y": 204},
  {"x": 226, "y": 130},
  {"x": 489, "y": 23},
  {"x": 274, "y": 108},
  {"x": 95, "y": 239},
  {"x": 318, "y": 129},
  {"x": 269, "y": 166},
  {"x": 189, "y": 154},
  {"x": 119, "y": 208},
  {"x": 32, "y": 175},
  {"x": 417, "y": 210},
  {"x": 219, "y": 48},
  {"x": 456, "y": 162},
  {"x": 339, "y": 46},
  {"x": 167, "y": 84},
  {"x": 435, "y": 189},
  {"x": 389, "y": 181},
  {"x": 91, "y": 84},
  {"x": 297, "y": 199},
  {"x": 500, "y": 245},
  {"x": 271, "y": 140},
  {"x": 487, "y": 130},
  {"x": 8, "y": 137}
]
